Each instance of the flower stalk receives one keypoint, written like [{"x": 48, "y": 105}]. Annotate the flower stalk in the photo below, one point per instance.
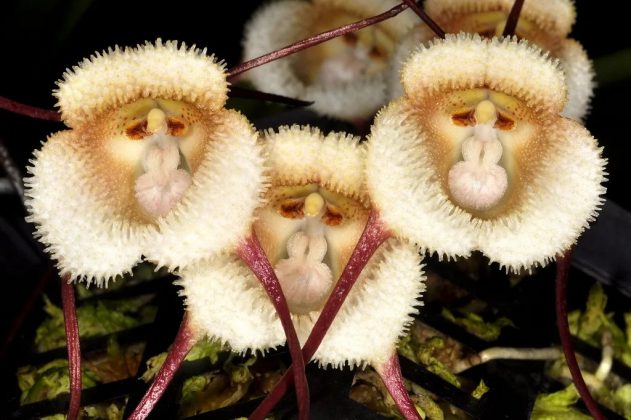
[
  {"x": 563, "y": 269},
  {"x": 390, "y": 373},
  {"x": 71, "y": 325},
  {"x": 184, "y": 341},
  {"x": 374, "y": 234},
  {"x": 252, "y": 254}
]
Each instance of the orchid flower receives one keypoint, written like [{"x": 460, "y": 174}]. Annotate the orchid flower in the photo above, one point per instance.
[
  {"x": 485, "y": 159},
  {"x": 345, "y": 77},
  {"x": 147, "y": 164},
  {"x": 150, "y": 166},
  {"x": 545, "y": 23},
  {"x": 315, "y": 211}
]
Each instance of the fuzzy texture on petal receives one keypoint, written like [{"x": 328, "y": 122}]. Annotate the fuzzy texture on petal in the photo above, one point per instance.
[
  {"x": 555, "y": 17},
  {"x": 116, "y": 77},
  {"x": 555, "y": 208},
  {"x": 225, "y": 301},
  {"x": 216, "y": 212},
  {"x": 280, "y": 23},
  {"x": 579, "y": 76},
  {"x": 403, "y": 185},
  {"x": 303, "y": 155},
  {"x": 466, "y": 61},
  {"x": 74, "y": 215},
  {"x": 377, "y": 311},
  {"x": 562, "y": 200}
]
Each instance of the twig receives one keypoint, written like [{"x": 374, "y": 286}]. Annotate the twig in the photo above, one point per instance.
[
  {"x": 425, "y": 18},
  {"x": 563, "y": 268},
  {"x": 513, "y": 18},
  {"x": 314, "y": 40},
  {"x": 29, "y": 111}
]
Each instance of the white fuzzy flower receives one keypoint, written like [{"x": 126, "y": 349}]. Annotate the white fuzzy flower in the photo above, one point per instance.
[
  {"x": 475, "y": 155},
  {"x": 149, "y": 166},
  {"x": 545, "y": 23},
  {"x": 346, "y": 76},
  {"x": 316, "y": 210}
]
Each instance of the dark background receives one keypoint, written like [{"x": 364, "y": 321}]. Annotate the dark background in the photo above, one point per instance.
[{"x": 41, "y": 38}]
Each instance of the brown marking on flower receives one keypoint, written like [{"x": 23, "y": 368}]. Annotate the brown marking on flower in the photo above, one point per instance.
[
  {"x": 332, "y": 216},
  {"x": 504, "y": 122},
  {"x": 176, "y": 127},
  {"x": 137, "y": 130},
  {"x": 292, "y": 208}
]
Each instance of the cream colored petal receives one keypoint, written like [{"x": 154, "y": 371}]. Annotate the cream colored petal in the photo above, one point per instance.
[
  {"x": 216, "y": 212},
  {"x": 284, "y": 22},
  {"x": 466, "y": 61},
  {"x": 302, "y": 155},
  {"x": 377, "y": 310},
  {"x": 561, "y": 201},
  {"x": 348, "y": 101},
  {"x": 226, "y": 302},
  {"x": 555, "y": 17},
  {"x": 120, "y": 76},
  {"x": 76, "y": 216},
  {"x": 579, "y": 76},
  {"x": 404, "y": 186},
  {"x": 264, "y": 33},
  {"x": 415, "y": 37}
]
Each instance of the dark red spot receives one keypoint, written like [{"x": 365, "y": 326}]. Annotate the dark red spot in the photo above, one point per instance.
[
  {"x": 292, "y": 209},
  {"x": 332, "y": 217},
  {"x": 137, "y": 131}
]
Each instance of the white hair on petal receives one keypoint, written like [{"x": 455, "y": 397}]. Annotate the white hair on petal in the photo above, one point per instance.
[
  {"x": 226, "y": 302},
  {"x": 579, "y": 76},
  {"x": 377, "y": 310},
  {"x": 466, "y": 61},
  {"x": 562, "y": 200},
  {"x": 73, "y": 215},
  {"x": 120, "y": 76},
  {"x": 216, "y": 212},
  {"x": 299, "y": 155},
  {"x": 403, "y": 186}
]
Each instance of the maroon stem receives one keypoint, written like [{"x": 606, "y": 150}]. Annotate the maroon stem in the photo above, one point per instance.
[
  {"x": 513, "y": 18},
  {"x": 375, "y": 233},
  {"x": 425, "y": 18},
  {"x": 314, "y": 40},
  {"x": 182, "y": 344},
  {"x": 29, "y": 111},
  {"x": 252, "y": 254},
  {"x": 392, "y": 378},
  {"x": 74, "y": 348},
  {"x": 563, "y": 268}
]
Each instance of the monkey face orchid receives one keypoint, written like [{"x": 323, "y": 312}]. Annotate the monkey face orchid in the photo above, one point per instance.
[
  {"x": 545, "y": 23},
  {"x": 315, "y": 213},
  {"x": 346, "y": 76},
  {"x": 148, "y": 165},
  {"x": 477, "y": 157}
]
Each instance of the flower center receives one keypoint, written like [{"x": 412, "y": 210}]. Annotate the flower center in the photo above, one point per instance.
[
  {"x": 163, "y": 183},
  {"x": 478, "y": 181},
  {"x": 308, "y": 234},
  {"x": 306, "y": 280}
]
